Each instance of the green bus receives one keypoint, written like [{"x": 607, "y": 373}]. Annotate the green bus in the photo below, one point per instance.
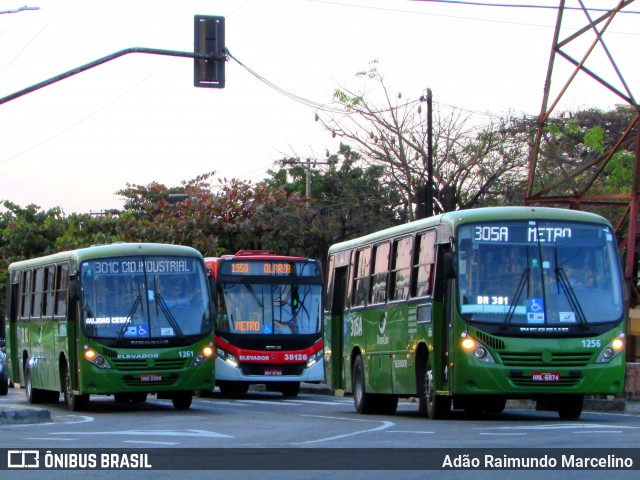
[
  {"x": 470, "y": 308},
  {"x": 127, "y": 319}
]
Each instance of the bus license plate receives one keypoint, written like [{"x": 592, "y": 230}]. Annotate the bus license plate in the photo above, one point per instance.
[
  {"x": 545, "y": 376},
  {"x": 273, "y": 372},
  {"x": 150, "y": 377}
]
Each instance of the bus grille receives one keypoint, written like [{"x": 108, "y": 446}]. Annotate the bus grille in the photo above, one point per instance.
[
  {"x": 489, "y": 340},
  {"x": 559, "y": 359},
  {"x": 255, "y": 369},
  {"x": 141, "y": 364}
]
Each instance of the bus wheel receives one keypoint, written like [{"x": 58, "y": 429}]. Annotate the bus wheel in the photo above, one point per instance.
[
  {"x": 34, "y": 395},
  {"x": 182, "y": 400},
  {"x": 437, "y": 406},
  {"x": 290, "y": 389},
  {"x": 364, "y": 402},
  {"x": 74, "y": 402},
  {"x": 570, "y": 406},
  {"x": 4, "y": 387}
]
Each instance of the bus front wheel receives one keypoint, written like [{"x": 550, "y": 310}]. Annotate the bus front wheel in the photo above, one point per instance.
[
  {"x": 570, "y": 406},
  {"x": 34, "y": 395},
  {"x": 435, "y": 406},
  {"x": 74, "y": 402},
  {"x": 364, "y": 402},
  {"x": 182, "y": 400}
]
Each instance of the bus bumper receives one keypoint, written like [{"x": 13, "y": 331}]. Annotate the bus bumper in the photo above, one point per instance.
[{"x": 227, "y": 372}]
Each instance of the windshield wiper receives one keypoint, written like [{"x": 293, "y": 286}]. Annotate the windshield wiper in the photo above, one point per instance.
[
  {"x": 524, "y": 277},
  {"x": 167, "y": 313},
  {"x": 136, "y": 303},
  {"x": 571, "y": 296}
]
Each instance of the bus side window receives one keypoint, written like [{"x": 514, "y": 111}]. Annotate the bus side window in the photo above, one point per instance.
[
  {"x": 25, "y": 290},
  {"x": 49, "y": 292},
  {"x": 424, "y": 259},
  {"x": 38, "y": 289},
  {"x": 361, "y": 277},
  {"x": 380, "y": 275},
  {"x": 62, "y": 281},
  {"x": 401, "y": 268}
]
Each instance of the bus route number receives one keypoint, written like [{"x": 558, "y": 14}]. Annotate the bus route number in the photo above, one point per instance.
[
  {"x": 491, "y": 234},
  {"x": 239, "y": 268},
  {"x": 356, "y": 326}
]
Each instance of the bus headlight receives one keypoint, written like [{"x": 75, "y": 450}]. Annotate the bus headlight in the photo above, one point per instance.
[
  {"x": 315, "y": 358},
  {"x": 615, "y": 348},
  {"x": 475, "y": 348},
  {"x": 95, "y": 358},
  {"x": 200, "y": 357},
  {"x": 230, "y": 358}
]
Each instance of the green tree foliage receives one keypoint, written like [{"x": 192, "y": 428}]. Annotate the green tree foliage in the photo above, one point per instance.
[
  {"x": 24, "y": 233},
  {"x": 348, "y": 198}
]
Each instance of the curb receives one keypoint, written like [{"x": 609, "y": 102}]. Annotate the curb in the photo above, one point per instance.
[{"x": 13, "y": 414}]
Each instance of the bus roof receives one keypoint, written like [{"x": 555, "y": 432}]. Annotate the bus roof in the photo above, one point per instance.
[
  {"x": 110, "y": 250},
  {"x": 459, "y": 217},
  {"x": 256, "y": 255}
]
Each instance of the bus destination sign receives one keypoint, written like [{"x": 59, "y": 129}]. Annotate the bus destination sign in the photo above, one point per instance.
[{"x": 261, "y": 268}]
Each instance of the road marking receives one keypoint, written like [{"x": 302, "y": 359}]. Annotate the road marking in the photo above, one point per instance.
[
  {"x": 558, "y": 426},
  {"x": 160, "y": 433},
  {"x": 151, "y": 443},
  {"x": 266, "y": 402},
  {"x": 408, "y": 431},
  {"x": 384, "y": 426},
  {"x": 504, "y": 434}
]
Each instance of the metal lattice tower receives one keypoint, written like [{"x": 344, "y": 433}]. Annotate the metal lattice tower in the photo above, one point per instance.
[{"x": 574, "y": 181}]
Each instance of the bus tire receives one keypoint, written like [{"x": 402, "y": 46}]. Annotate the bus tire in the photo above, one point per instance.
[
  {"x": 4, "y": 387},
  {"x": 570, "y": 406},
  {"x": 74, "y": 402},
  {"x": 34, "y": 395},
  {"x": 182, "y": 400},
  {"x": 365, "y": 402},
  {"x": 290, "y": 389},
  {"x": 436, "y": 406}
]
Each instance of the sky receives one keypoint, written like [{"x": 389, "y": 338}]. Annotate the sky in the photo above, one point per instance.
[{"x": 138, "y": 119}]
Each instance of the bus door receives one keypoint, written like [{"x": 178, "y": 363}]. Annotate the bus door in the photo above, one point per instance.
[
  {"x": 13, "y": 353},
  {"x": 443, "y": 324},
  {"x": 337, "y": 308}
]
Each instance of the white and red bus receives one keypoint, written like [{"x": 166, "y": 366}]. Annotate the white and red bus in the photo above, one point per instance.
[{"x": 268, "y": 328}]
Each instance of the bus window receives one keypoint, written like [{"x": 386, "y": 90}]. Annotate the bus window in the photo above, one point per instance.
[
  {"x": 361, "y": 280},
  {"x": 38, "y": 284},
  {"x": 401, "y": 268},
  {"x": 424, "y": 258},
  {"x": 49, "y": 292},
  {"x": 25, "y": 308},
  {"x": 62, "y": 281},
  {"x": 380, "y": 273}
]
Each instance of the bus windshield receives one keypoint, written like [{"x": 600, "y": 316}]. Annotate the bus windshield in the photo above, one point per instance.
[
  {"x": 133, "y": 299},
  {"x": 538, "y": 274},
  {"x": 262, "y": 308}
]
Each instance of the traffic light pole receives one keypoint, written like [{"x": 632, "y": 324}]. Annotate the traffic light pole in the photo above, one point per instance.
[{"x": 108, "y": 58}]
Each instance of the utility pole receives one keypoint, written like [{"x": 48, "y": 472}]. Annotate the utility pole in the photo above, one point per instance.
[{"x": 308, "y": 171}]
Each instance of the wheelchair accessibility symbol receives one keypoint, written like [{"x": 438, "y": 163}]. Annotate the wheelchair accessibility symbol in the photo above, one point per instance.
[
  {"x": 536, "y": 305},
  {"x": 535, "y": 312}
]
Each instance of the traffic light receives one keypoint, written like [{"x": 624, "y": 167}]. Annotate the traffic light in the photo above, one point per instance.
[{"x": 209, "y": 40}]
